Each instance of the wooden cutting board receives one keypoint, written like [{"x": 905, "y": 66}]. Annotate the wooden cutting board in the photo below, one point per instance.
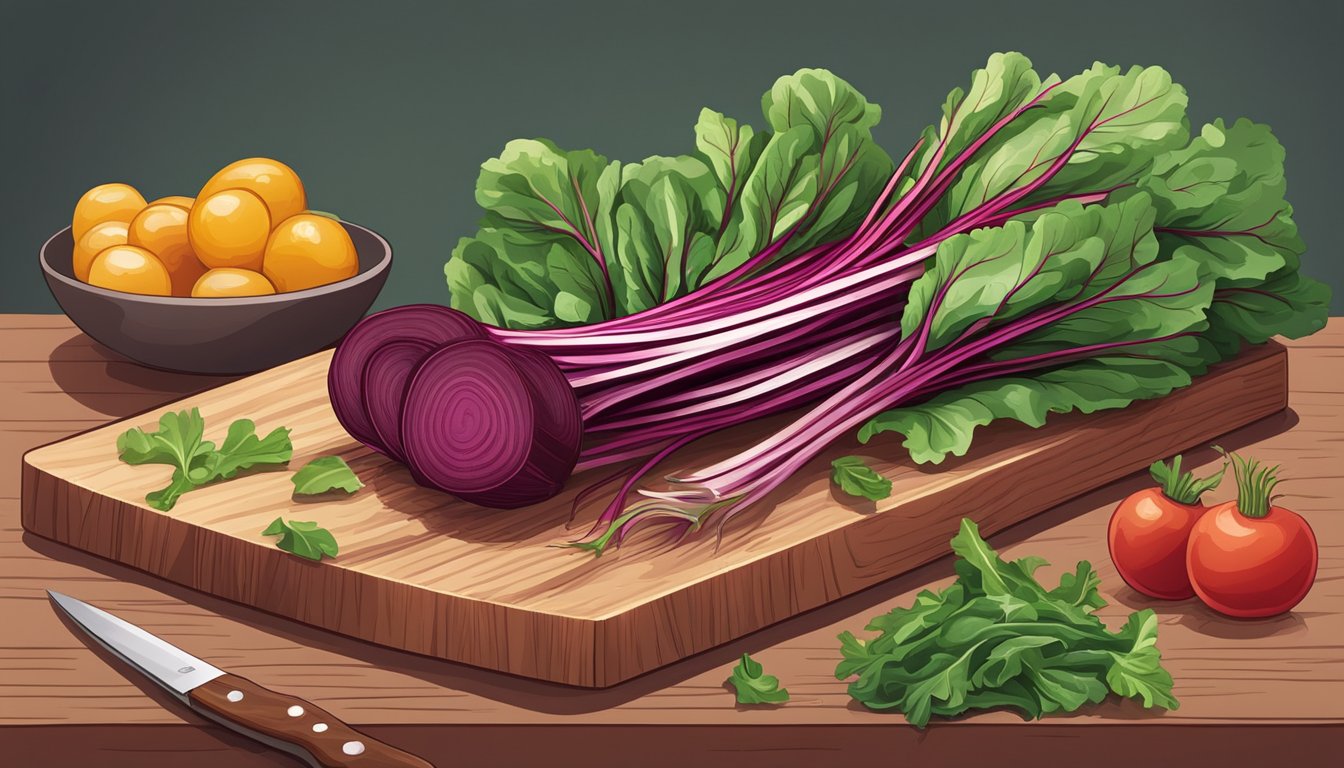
[{"x": 421, "y": 571}]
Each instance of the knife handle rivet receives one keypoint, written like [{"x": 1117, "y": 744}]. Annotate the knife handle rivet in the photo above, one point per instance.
[
  {"x": 353, "y": 747},
  {"x": 235, "y": 696},
  {"x": 186, "y": 670},
  {"x": 295, "y": 711},
  {"x": 319, "y": 727}
]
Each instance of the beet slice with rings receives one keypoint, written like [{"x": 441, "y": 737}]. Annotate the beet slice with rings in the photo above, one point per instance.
[
  {"x": 383, "y": 389},
  {"x": 490, "y": 425},
  {"x": 429, "y": 323}
]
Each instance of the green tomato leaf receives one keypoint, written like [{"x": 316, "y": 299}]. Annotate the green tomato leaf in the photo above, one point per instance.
[
  {"x": 305, "y": 539},
  {"x": 753, "y": 686},
  {"x": 856, "y": 478},
  {"x": 323, "y": 474}
]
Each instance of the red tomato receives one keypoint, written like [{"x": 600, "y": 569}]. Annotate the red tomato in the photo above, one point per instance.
[
  {"x": 1149, "y": 531},
  {"x": 1251, "y": 567},
  {"x": 1147, "y": 538}
]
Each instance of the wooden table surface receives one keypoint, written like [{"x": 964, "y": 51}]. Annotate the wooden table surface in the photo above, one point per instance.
[{"x": 1270, "y": 690}]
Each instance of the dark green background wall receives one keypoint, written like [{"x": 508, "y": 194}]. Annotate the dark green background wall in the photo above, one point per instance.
[{"x": 387, "y": 109}]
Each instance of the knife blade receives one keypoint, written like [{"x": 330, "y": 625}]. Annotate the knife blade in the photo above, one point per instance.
[{"x": 277, "y": 720}]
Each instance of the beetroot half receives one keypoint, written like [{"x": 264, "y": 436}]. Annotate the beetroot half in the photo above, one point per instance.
[
  {"x": 490, "y": 425},
  {"x": 428, "y": 323},
  {"x": 383, "y": 389}
]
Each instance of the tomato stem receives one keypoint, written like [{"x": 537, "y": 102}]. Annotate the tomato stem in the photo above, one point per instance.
[
  {"x": 1255, "y": 484},
  {"x": 1182, "y": 487}
]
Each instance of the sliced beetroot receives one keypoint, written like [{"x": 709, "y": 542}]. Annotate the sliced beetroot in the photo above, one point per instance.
[
  {"x": 557, "y": 408},
  {"x": 428, "y": 323},
  {"x": 489, "y": 425},
  {"x": 383, "y": 389}
]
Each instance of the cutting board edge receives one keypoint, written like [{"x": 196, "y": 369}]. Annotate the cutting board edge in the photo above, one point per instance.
[
  {"x": 592, "y": 661},
  {"x": 263, "y": 575}
]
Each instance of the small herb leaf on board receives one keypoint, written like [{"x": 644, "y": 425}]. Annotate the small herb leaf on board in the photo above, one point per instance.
[
  {"x": 179, "y": 443},
  {"x": 858, "y": 479},
  {"x": 305, "y": 539},
  {"x": 324, "y": 474},
  {"x": 753, "y": 686}
]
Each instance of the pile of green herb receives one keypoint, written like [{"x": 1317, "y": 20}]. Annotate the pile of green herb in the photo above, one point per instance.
[{"x": 997, "y": 638}]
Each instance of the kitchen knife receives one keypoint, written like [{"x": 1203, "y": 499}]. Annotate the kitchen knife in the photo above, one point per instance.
[{"x": 274, "y": 719}]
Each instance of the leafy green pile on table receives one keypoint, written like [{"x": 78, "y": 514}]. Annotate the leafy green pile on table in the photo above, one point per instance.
[{"x": 998, "y": 638}]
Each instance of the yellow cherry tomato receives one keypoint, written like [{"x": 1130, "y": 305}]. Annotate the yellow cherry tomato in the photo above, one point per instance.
[
  {"x": 225, "y": 282},
  {"x": 105, "y": 202},
  {"x": 99, "y": 238},
  {"x": 229, "y": 229},
  {"x": 178, "y": 200},
  {"x": 161, "y": 229},
  {"x": 185, "y": 276},
  {"x": 130, "y": 269},
  {"x": 274, "y": 182},
  {"x": 308, "y": 250}
]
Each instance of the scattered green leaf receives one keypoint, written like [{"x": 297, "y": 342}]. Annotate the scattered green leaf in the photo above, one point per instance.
[
  {"x": 753, "y": 686},
  {"x": 858, "y": 479},
  {"x": 305, "y": 539},
  {"x": 325, "y": 474},
  {"x": 179, "y": 443}
]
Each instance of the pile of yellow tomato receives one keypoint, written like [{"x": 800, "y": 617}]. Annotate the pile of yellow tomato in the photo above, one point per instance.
[{"x": 246, "y": 233}]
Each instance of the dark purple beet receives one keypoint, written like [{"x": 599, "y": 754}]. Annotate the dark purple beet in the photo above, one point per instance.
[
  {"x": 490, "y": 425},
  {"x": 428, "y": 323},
  {"x": 386, "y": 374},
  {"x": 557, "y": 408}
]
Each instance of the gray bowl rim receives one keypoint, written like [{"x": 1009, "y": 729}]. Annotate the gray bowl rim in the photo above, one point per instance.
[{"x": 187, "y": 301}]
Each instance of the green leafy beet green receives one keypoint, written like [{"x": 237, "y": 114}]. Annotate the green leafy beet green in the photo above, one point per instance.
[
  {"x": 1048, "y": 245},
  {"x": 997, "y": 638},
  {"x": 326, "y": 473},
  {"x": 305, "y": 539},
  {"x": 571, "y": 238},
  {"x": 753, "y": 686}
]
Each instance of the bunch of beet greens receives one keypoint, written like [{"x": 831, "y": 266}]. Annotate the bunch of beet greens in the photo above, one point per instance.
[{"x": 1051, "y": 245}]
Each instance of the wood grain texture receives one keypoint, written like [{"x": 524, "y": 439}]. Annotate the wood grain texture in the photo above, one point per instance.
[
  {"x": 1264, "y": 692},
  {"x": 424, "y": 572}
]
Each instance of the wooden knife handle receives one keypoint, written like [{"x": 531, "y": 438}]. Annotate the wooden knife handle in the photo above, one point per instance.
[{"x": 294, "y": 725}]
